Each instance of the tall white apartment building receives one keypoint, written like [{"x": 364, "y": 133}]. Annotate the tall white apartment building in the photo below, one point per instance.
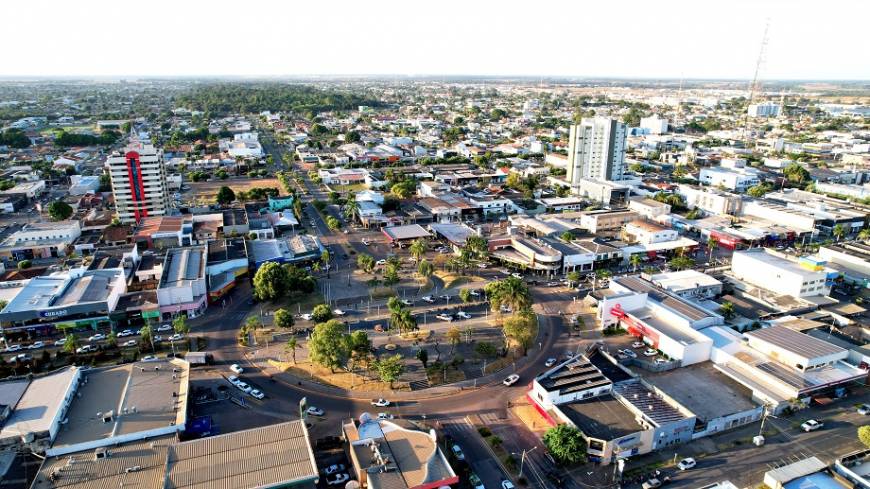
[
  {"x": 596, "y": 150},
  {"x": 766, "y": 109},
  {"x": 654, "y": 124},
  {"x": 138, "y": 176}
]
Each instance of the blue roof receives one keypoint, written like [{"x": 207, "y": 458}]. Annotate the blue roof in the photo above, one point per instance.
[{"x": 818, "y": 480}]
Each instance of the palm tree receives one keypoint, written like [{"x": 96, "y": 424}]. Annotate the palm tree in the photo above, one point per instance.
[
  {"x": 839, "y": 231},
  {"x": 727, "y": 310},
  {"x": 291, "y": 347},
  {"x": 417, "y": 249},
  {"x": 351, "y": 208},
  {"x": 635, "y": 260},
  {"x": 864, "y": 234},
  {"x": 601, "y": 273},
  {"x": 425, "y": 269},
  {"x": 712, "y": 243},
  {"x": 511, "y": 292}
]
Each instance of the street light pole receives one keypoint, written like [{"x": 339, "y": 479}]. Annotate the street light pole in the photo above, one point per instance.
[{"x": 523, "y": 460}]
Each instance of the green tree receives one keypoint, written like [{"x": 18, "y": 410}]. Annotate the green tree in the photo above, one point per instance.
[
  {"x": 391, "y": 274},
  {"x": 600, "y": 274},
  {"x": 567, "y": 236},
  {"x": 565, "y": 443},
  {"x": 24, "y": 264},
  {"x": 225, "y": 196},
  {"x": 838, "y": 231},
  {"x": 681, "y": 263},
  {"x": 146, "y": 336},
  {"x": 635, "y": 261},
  {"x": 71, "y": 343},
  {"x": 423, "y": 356},
  {"x": 390, "y": 368},
  {"x": 352, "y": 137},
  {"x": 283, "y": 318},
  {"x": 332, "y": 223},
  {"x": 758, "y": 191},
  {"x": 112, "y": 340},
  {"x": 522, "y": 329},
  {"x": 327, "y": 346},
  {"x": 864, "y": 435},
  {"x": 351, "y": 208},
  {"x": 291, "y": 346},
  {"x": 574, "y": 278},
  {"x": 465, "y": 295},
  {"x": 497, "y": 114},
  {"x": 712, "y": 243},
  {"x": 477, "y": 246},
  {"x": 511, "y": 292},
  {"x": 864, "y": 234},
  {"x": 321, "y": 313},
  {"x": 727, "y": 310},
  {"x": 179, "y": 324},
  {"x": 425, "y": 269},
  {"x": 796, "y": 173},
  {"x": 365, "y": 262},
  {"x": 417, "y": 249},
  {"x": 271, "y": 282},
  {"x": 401, "y": 191},
  {"x": 59, "y": 210},
  {"x": 454, "y": 336}
]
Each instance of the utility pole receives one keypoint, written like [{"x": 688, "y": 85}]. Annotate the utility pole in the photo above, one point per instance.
[{"x": 523, "y": 460}]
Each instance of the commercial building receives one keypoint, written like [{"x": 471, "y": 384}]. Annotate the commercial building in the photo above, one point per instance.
[
  {"x": 654, "y": 124},
  {"x": 40, "y": 240},
  {"x": 688, "y": 284},
  {"x": 30, "y": 189},
  {"x": 765, "y": 109},
  {"x": 648, "y": 232},
  {"x": 387, "y": 454},
  {"x": 182, "y": 288},
  {"x": 851, "y": 259},
  {"x": 405, "y": 234},
  {"x": 78, "y": 298},
  {"x": 802, "y": 211},
  {"x": 243, "y": 145},
  {"x": 604, "y": 192},
  {"x": 648, "y": 208},
  {"x": 227, "y": 262},
  {"x": 163, "y": 232},
  {"x": 596, "y": 150},
  {"x": 36, "y": 408},
  {"x": 138, "y": 176},
  {"x": 711, "y": 200},
  {"x": 736, "y": 178},
  {"x": 772, "y": 271},
  {"x": 530, "y": 253},
  {"x": 297, "y": 249},
  {"x": 606, "y": 220}
]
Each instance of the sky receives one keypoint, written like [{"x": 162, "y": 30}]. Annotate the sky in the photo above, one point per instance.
[{"x": 821, "y": 39}]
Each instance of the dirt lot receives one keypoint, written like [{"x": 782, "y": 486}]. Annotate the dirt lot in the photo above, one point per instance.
[{"x": 208, "y": 190}]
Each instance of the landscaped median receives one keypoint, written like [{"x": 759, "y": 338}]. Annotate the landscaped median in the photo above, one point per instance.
[{"x": 341, "y": 379}]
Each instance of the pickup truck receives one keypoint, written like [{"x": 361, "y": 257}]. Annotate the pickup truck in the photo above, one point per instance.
[{"x": 380, "y": 402}]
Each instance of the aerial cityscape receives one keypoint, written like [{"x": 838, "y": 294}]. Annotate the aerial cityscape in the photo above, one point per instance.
[{"x": 287, "y": 264}]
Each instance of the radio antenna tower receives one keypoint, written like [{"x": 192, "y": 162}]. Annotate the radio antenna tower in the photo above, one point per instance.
[{"x": 755, "y": 84}]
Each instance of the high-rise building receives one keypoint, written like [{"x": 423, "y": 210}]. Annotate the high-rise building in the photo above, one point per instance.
[
  {"x": 138, "y": 177},
  {"x": 596, "y": 150},
  {"x": 766, "y": 109}
]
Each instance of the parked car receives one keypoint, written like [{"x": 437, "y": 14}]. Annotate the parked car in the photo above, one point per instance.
[
  {"x": 505, "y": 309},
  {"x": 128, "y": 344},
  {"x": 176, "y": 337},
  {"x": 242, "y": 386},
  {"x": 458, "y": 452},
  {"x": 550, "y": 362},
  {"x": 97, "y": 337},
  {"x": 385, "y": 416},
  {"x": 126, "y": 333},
  {"x": 313, "y": 411},
  {"x": 164, "y": 328},
  {"x": 474, "y": 293},
  {"x": 86, "y": 349},
  {"x": 366, "y": 242},
  {"x": 257, "y": 394},
  {"x": 444, "y": 297},
  {"x": 651, "y": 484},
  {"x": 445, "y": 317},
  {"x": 482, "y": 265},
  {"x": 628, "y": 353},
  {"x": 381, "y": 402},
  {"x": 339, "y": 312},
  {"x": 463, "y": 315},
  {"x": 334, "y": 469},
  {"x": 406, "y": 302},
  {"x": 381, "y": 262},
  {"x": 511, "y": 380},
  {"x": 649, "y": 352},
  {"x": 338, "y": 479},
  {"x": 232, "y": 379},
  {"x": 811, "y": 425},
  {"x": 427, "y": 298},
  {"x": 236, "y": 368},
  {"x": 36, "y": 345},
  {"x": 516, "y": 275},
  {"x": 506, "y": 484},
  {"x": 864, "y": 409},
  {"x": 475, "y": 482},
  {"x": 638, "y": 344},
  {"x": 306, "y": 316},
  {"x": 60, "y": 342},
  {"x": 687, "y": 463}
]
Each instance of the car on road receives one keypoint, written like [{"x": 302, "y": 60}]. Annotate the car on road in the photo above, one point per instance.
[
  {"x": 406, "y": 302},
  {"x": 463, "y": 315},
  {"x": 550, "y": 362},
  {"x": 458, "y": 452},
  {"x": 36, "y": 345},
  {"x": 511, "y": 380},
  {"x": 649, "y": 352},
  {"x": 651, "y": 484},
  {"x": 60, "y": 342},
  {"x": 306, "y": 316},
  {"x": 444, "y": 297},
  {"x": 257, "y": 394},
  {"x": 475, "y": 482},
  {"x": 334, "y": 469},
  {"x": 338, "y": 479},
  {"x": 445, "y": 317},
  {"x": 661, "y": 361},
  {"x": 864, "y": 409},
  {"x": 176, "y": 337},
  {"x": 638, "y": 344},
  {"x": 427, "y": 298},
  {"x": 232, "y": 379},
  {"x": 687, "y": 463},
  {"x": 811, "y": 425},
  {"x": 381, "y": 262},
  {"x": 236, "y": 368},
  {"x": 366, "y": 242},
  {"x": 339, "y": 312},
  {"x": 126, "y": 333},
  {"x": 474, "y": 293},
  {"x": 385, "y": 416},
  {"x": 506, "y": 484},
  {"x": 482, "y": 265},
  {"x": 517, "y": 275},
  {"x": 381, "y": 402},
  {"x": 149, "y": 358},
  {"x": 164, "y": 328},
  {"x": 244, "y": 387},
  {"x": 97, "y": 337},
  {"x": 314, "y": 411},
  {"x": 128, "y": 344},
  {"x": 505, "y": 309},
  {"x": 628, "y": 353},
  {"x": 86, "y": 349}
]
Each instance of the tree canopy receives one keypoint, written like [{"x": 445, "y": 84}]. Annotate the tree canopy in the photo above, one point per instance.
[
  {"x": 225, "y": 195},
  {"x": 232, "y": 98},
  {"x": 565, "y": 443},
  {"x": 59, "y": 210},
  {"x": 327, "y": 346}
]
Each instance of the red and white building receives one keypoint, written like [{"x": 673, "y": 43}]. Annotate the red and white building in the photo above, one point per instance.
[{"x": 138, "y": 176}]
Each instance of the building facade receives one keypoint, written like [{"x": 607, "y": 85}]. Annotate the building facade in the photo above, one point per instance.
[
  {"x": 596, "y": 150},
  {"x": 138, "y": 176}
]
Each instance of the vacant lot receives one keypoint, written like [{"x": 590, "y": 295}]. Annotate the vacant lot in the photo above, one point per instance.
[{"x": 208, "y": 190}]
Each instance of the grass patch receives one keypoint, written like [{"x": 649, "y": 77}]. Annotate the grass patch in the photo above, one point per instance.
[
  {"x": 455, "y": 280},
  {"x": 419, "y": 335},
  {"x": 340, "y": 378},
  {"x": 438, "y": 377},
  {"x": 357, "y": 187},
  {"x": 382, "y": 292}
]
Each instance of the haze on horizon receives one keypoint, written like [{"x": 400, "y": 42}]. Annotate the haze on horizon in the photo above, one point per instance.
[{"x": 808, "y": 40}]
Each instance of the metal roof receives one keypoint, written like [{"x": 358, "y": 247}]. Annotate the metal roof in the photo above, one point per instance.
[{"x": 795, "y": 342}]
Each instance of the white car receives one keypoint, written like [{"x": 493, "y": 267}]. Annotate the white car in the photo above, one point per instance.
[
  {"x": 687, "y": 463},
  {"x": 366, "y": 242},
  {"x": 85, "y": 349},
  {"x": 339, "y": 312},
  {"x": 380, "y": 402},
  {"x": 481, "y": 265},
  {"x": 164, "y": 327},
  {"x": 306, "y": 316},
  {"x": 125, "y": 333},
  {"x": 511, "y": 380},
  {"x": 505, "y": 309},
  {"x": 638, "y": 344},
  {"x": 864, "y": 409},
  {"x": 458, "y": 452},
  {"x": 550, "y": 362},
  {"x": 628, "y": 353},
  {"x": 36, "y": 345},
  {"x": 333, "y": 469},
  {"x": 506, "y": 484},
  {"x": 97, "y": 337},
  {"x": 176, "y": 337},
  {"x": 444, "y": 297},
  {"x": 445, "y": 317},
  {"x": 128, "y": 344},
  {"x": 406, "y": 302},
  {"x": 516, "y": 275},
  {"x": 811, "y": 425},
  {"x": 649, "y": 352},
  {"x": 463, "y": 315},
  {"x": 60, "y": 342},
  {"x": 244, "y": 387},
  {"x": 232, "y": 379},
  {"x": 385, "y": 416},
  {"x": 427, "y": 298},
  {"x": 236, "y": 368},
  {"x": 474, "y": 293},
  {"x": 257, "y": 394},
  {"x": 339, "y": 479},
  {"x": 381, "y": 262},
  {"x": 313, "y": 411}
]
